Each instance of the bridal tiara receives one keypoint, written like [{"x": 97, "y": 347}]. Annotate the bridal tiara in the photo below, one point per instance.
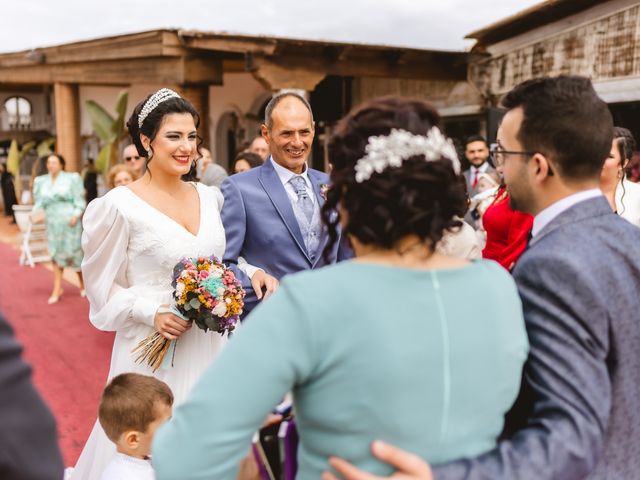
[
  {"x": 156, "y": 99},
  {"x": 391, "y": 150}
]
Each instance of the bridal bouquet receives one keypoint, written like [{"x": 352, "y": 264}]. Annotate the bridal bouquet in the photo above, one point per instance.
[{"x": 205, "y": 292}]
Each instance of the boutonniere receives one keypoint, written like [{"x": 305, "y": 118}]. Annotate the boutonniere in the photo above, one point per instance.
[{"x": 324, "y": 188}]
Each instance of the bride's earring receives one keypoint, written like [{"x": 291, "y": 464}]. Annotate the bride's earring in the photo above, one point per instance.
[
  {"x": 149, "y": 155},
  {"x": 620, "y": 173}
]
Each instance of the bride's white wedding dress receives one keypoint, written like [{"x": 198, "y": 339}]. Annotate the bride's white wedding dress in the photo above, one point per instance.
[{"x": 130, "y": 250}]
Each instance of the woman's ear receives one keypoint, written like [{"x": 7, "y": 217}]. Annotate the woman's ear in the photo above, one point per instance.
[{"x": 146, "y": 141}]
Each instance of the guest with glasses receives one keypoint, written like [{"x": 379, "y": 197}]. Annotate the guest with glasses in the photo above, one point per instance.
[{"x": 134, "y": 161}]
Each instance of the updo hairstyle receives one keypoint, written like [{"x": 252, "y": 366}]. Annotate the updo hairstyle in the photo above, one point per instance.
[{"x": 420, "y": 198}]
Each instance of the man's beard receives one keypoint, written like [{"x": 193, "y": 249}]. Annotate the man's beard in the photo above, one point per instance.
[
  {"x": 513, "y": 204},
  {"x": 518, "y": 203}
]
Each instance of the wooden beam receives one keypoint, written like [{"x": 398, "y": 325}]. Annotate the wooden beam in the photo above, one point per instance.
[
  {"x": 228, "y": 43},
  {"x": 139, "y": 46},
  {"x": 201, "y": 70},
  {"x": 275, "y": 77},
  {"x": 373, "y": 64},
  {"x": 164, "y": 70}
]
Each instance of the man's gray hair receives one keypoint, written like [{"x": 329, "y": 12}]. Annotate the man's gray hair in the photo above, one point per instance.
[{"x": 275, "y": 100}]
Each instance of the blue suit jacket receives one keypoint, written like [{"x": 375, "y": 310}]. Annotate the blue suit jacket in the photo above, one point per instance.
[
  {"x": 261, "y": 227},
  {"x": 578, "y": 414}
]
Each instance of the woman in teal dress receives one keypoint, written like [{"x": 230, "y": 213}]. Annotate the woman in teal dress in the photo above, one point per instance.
[
  {"x": 61, "y": 195},
  {"x": 401, "y": 344}
]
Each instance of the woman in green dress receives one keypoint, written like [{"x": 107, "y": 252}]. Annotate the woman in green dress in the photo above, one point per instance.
[
  {"x": 402, "y": 344},
  {"x": 61, "y": 195}
]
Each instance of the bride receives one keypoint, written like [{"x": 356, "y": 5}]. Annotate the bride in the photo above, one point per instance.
[{"x": 133, "y": 237}]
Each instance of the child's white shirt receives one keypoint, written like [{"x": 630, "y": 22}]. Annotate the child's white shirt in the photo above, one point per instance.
[{"x": 124, "y": 467}]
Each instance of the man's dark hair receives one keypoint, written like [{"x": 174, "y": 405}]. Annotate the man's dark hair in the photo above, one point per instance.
[
  {"x": 475, "y": 138},
  {"x": 565, "y": 120}
]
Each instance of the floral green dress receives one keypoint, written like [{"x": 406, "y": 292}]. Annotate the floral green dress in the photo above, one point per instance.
[{"x": 62, "y": 199}]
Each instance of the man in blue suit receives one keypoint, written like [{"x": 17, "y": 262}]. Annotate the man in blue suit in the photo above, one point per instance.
[
  {"x": 271, "y": 214},
  {"x": 577, "y": 414}
]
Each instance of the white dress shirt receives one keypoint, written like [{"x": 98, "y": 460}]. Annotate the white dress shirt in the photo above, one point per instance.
[
  {"x": 552, "y": 211},
  {"x": 473, "y": 170},
  {"x": 285, "y": 175},
  {"x": 124, "y": 467}
]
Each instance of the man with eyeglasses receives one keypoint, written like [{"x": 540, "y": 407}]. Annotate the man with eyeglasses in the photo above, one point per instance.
[{"x": 133, "y": 160}]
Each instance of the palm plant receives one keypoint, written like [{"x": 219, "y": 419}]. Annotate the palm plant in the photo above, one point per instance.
[
  {"x": 14, "y": 159},
  {"x": 109, "y": 130}
]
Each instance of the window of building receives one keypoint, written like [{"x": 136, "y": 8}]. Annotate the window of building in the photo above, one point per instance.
[{"x": 18, "y": 112}]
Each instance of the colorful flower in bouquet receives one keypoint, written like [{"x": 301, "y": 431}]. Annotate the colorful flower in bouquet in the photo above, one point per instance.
[
  {"x": 208, "y": 293},
  {"x": 205, "y": 292}
]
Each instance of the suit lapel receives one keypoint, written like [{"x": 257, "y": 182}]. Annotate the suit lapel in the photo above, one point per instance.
[
  {"x": 275, "y": 191},
  {"x": 316, "y": 182}
]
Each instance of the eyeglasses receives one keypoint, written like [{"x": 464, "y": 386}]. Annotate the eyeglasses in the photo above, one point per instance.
[
  {"x": 498, "y": 154},
  {"x": 135, "y": 157}
]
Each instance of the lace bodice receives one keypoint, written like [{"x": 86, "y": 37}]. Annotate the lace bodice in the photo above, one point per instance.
[{"x": 156, "y": 242}]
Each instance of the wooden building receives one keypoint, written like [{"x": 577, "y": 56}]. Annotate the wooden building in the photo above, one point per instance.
[
  {"x": 228, "y": 78},
  {"x": 594, "y": 38}
]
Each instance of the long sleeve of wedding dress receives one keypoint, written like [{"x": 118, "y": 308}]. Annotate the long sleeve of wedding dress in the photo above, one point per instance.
[{"x": 115, "y": 306}]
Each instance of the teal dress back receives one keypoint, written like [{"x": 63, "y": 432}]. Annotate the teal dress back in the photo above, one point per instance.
[{"x": 428, "y": 360}]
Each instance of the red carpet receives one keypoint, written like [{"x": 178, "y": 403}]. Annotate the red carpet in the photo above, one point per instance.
[{"x": 70, "y": 358}]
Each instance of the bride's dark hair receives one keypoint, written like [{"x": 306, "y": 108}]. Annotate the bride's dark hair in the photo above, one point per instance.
[
  {"x": 419, "y": 198},
  {"x": 153, "y": 121}
]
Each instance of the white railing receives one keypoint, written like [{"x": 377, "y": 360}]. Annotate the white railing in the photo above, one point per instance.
[{"x": 30, "y": 123}]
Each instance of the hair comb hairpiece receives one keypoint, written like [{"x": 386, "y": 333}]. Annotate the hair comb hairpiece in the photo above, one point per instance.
[
  {"x": 391, "y": 150},
  {"x": 156, "y": 99}
]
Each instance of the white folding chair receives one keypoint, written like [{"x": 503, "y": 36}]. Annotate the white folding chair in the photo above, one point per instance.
[{"x": 33, "y": 245}]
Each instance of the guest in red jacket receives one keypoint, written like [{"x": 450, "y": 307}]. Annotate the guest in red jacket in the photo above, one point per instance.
[{"x": 507, "y": 229}]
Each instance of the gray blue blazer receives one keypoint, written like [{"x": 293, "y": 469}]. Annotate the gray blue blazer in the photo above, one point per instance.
[
  {"x": 261, "y": 227},
  {"x": 578, "y": 413}
]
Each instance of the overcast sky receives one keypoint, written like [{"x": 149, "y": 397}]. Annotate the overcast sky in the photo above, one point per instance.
[{"x": 430, "y": 24}]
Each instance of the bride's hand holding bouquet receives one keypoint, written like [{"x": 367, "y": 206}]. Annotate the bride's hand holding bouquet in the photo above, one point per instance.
[
  {"x": 169, "y": 324},
  {"x": 205, "y": 292}
]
